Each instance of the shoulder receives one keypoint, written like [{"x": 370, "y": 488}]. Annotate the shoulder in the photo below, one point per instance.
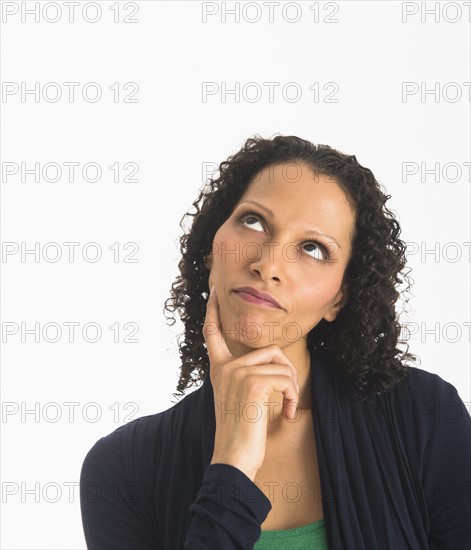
[
  {"x": 126, "y": 448},
  {"x": 419, "y": 392},
  {"x": 423, "y": 387},
  {"x": 429, "y": 408},
  {"x": 124, "y": 478}
]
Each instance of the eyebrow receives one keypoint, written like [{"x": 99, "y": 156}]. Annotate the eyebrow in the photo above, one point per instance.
[{"x": 307, "y": 233}]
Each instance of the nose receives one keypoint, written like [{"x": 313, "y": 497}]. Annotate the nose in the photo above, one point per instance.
[{"x": 267, "y": 264}]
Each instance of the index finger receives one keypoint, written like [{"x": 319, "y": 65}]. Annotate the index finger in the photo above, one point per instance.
[{"x": 218, "y": 351}]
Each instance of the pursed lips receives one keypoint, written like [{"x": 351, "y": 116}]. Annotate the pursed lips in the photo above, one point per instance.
[{"x": 254, "y": 296}]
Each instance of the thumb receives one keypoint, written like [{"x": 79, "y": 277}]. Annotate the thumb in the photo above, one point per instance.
[{"x": 218, "y": 351}]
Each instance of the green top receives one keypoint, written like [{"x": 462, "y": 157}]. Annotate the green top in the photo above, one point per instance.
[{"x": 311, "y": 536}]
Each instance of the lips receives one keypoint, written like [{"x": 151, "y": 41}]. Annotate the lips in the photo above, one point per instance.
[{"x": 258, "y": 294}]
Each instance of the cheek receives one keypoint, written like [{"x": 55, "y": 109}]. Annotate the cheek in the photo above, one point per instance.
[
  {"x": 318, "y": 291},
  {"x": 221, "y": 260},
  {"x": 227, "y": 248}
]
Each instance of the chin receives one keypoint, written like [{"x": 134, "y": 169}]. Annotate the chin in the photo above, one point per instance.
[{"x": 253, "y": 339}]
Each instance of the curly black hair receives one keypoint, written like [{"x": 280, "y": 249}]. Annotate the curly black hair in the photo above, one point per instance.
[{"x": 362, "y": 339}]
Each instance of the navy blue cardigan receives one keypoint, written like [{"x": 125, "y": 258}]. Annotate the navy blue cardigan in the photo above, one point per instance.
[{"x": 395, "y": 474}]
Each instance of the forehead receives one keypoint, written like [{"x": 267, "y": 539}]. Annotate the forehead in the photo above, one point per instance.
[
  {"x": 289, "y": 172},
  {"x": 299, "y": 183}
]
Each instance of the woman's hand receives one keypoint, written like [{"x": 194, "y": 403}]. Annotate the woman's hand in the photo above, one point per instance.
[{"x": 240, "y": 437}]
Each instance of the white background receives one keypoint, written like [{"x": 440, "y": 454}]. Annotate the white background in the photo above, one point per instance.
[{"x": 170, "y": 132}]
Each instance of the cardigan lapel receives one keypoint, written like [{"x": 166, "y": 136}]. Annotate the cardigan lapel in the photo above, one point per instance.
[
  {"x": 338, "y": 500},
  {"x": 363, "y": 464}
]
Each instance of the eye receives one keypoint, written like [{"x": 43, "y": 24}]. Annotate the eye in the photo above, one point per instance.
[
  {"x": 245, "y": 215},
  {"x": 319, "y": 247},
  {"x": 253, "y": 218}
]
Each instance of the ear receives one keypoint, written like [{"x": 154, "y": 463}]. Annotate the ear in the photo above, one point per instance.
[
  {"x": 208, "y": 261},
  {"x": 340, "y": 300}
]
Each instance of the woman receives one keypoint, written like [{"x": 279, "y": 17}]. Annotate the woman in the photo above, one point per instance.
[{"x": 309, "y": 430}]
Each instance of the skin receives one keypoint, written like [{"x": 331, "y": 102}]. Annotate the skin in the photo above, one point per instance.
[{"x": 273, "y": 255}]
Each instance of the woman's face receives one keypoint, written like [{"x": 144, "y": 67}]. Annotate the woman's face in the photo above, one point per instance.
[{"x": 275, "y": 254}]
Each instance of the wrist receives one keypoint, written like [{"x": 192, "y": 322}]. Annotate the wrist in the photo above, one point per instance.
[{"x": 247, "y": 470}]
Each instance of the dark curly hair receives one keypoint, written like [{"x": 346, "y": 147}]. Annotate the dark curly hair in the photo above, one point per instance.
[{"x": 362, "y": 339}]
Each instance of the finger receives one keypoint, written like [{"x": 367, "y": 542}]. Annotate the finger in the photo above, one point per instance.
[
  {"x": 218, "y": 351},
  {"x": 286, "y": 385},
  {"x": 290, "y": 407},
  {"x": 270, "y": 354},
  {"x": 290, "y": 403}
]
